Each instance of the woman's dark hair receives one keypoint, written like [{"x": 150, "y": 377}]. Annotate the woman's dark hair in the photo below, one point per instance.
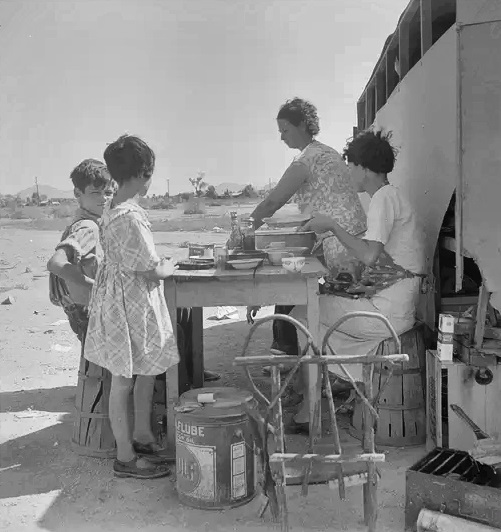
[
  {"x": 129, "y": 157},
  {"x": 371, "y": 150},
  {"x": 90, "y": 172},
  {"x": 297, "y": 111}
]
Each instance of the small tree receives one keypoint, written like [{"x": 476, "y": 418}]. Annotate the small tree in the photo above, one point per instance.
[
  {"x": 249, "y": 191},
  {"x": 211, "y": 192},
  {"x": 198, "y": 183}
]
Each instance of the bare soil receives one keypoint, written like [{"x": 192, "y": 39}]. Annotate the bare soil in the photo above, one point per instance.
[{"x": 45, "y": 486}]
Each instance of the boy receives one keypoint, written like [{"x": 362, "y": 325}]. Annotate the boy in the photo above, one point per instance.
[{"x": 74, "y": 264}]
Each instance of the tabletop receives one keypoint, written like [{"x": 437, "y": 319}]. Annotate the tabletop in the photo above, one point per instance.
[{"x": 312, "y": 268}]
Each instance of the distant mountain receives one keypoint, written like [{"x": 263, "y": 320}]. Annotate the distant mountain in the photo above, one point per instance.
[{"x": 45, "y": 190}]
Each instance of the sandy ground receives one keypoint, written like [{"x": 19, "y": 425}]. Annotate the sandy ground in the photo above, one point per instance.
[{"x": 45, "y": 486}]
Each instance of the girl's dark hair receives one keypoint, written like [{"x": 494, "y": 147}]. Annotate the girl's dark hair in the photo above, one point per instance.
[
  {"x": 129, "y": 157},
  {"x": 371, "y": 150},
  {"x": 90, "y": 172},
  {"x": 297, "y": 111}
]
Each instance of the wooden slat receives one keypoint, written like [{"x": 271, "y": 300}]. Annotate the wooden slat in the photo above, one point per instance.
[
  {"x": 403, "y": 48},
  {"x": 361, "y": 120},
  {"x": 458, "y": 211},
  {"x": 380, "y": 89},
  {"x": 391, "y": 75},
  {"x": 483, "y": 301},
  {"x": 426, "y": 26},
  {"x": 246, "y": 292},
  {"x": 371, "y": 104}
]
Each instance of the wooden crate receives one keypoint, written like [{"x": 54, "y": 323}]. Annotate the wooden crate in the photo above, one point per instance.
[
  {"x": 479, "y": 402},
  {"x": 401, "y": 405}
]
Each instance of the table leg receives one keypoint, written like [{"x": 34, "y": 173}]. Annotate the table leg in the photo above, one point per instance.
[
  {"x": 197, "y": 346},
  {"x": 313, "y": 318},
  {"x": 172, "y": 377}
]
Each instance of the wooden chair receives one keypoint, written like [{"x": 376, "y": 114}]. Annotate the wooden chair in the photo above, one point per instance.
[{"x": 333, "y": 461}]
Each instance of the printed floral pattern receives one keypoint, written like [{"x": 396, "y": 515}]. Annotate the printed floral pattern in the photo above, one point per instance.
[{"x": 329, "y": 191}]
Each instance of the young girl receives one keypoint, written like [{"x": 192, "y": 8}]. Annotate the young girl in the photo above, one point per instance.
[{"x": 130, "y": 331}]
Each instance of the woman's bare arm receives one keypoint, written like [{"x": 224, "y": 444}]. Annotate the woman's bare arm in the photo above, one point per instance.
[{"x": 292, "y": 180}]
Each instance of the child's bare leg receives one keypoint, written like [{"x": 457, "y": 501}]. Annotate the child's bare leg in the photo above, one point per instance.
[
  {"x": 119, "y": 416},
  {"x": 143, "y": 404}
]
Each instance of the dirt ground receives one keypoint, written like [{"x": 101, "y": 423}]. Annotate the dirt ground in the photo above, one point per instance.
[{"x": 45, "y": 486}]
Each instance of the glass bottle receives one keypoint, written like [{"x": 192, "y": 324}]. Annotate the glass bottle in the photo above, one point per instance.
[
  {"x": 249, "y": 235},
  {"x": 236, "y": 237}
]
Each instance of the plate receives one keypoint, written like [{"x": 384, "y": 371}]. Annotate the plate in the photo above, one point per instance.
[
  {"x": 245, "y": 264},
  {"x": 239, "y": 255},
  {"x": 292, "y": 220},
  {"x": 194, "y": 264}
]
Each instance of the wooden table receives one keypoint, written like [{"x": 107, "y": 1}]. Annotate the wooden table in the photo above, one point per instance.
[{"x": 269, "y": 285}]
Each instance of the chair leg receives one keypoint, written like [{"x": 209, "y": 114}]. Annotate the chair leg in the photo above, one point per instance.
[{"x": 370, "y": 487}]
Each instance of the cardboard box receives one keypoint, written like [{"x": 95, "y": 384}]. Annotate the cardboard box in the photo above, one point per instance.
[{"x": 445, "y": 341}]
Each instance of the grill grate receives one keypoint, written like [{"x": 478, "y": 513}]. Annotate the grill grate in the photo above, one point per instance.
[{"x": 458, "y": 465}]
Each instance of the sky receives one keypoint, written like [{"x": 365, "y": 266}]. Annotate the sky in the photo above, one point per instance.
[{"x": 201, "y": 81}]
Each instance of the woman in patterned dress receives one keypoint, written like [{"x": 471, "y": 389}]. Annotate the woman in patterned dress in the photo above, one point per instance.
[
  {"x": 130, "y": 332},
  {"x": 319, "y": 182}
]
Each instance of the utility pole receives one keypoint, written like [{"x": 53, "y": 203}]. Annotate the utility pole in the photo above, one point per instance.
[
  {"x": 168, "y": 188},
  {"x": 38, "y": 193}
]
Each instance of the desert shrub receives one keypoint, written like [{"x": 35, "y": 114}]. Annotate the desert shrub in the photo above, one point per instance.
[
  {"x": 163, "y": 204},
  {"x": 19, "y": 214},
  {"x": 63, "y": 211},
  {"x": 198, "y": 223},
  {"x": 195, "y": 205}
]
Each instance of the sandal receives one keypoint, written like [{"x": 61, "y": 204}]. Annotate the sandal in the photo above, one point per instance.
[
  {"x": 132, "y": 470},
  {"x": 153, "y": 452}
]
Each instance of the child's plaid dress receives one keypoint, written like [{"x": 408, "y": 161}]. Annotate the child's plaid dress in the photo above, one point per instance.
[{"x": 130, "y": 331}]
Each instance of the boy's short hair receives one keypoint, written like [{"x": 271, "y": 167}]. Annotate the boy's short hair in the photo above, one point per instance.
[
  {"x": 90, "y": 172},
  {"x": 129, "y": 157},
  {"x": 371, "y": 150}
]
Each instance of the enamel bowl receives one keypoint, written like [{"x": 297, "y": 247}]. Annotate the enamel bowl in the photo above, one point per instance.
[
  {"x": 293, "y": 264},
  {"x": 275, "y": 257},
  {"x": 245, "y": 264}
]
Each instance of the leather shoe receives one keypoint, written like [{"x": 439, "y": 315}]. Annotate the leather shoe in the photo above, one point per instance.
[{"x": 293, "y": 427}]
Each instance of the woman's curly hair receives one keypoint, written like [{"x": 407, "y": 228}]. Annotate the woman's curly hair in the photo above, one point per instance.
[
  {"x": 371, "y": 150},
  {"x": 129, "y": 157},
  {"x": 297, "y": 111}
]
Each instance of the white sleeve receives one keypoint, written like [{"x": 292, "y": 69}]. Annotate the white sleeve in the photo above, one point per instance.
[{"x": 380, "y": 218}]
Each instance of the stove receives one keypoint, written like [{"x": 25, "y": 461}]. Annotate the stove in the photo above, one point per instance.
[{"x": 451, "y": 481}]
